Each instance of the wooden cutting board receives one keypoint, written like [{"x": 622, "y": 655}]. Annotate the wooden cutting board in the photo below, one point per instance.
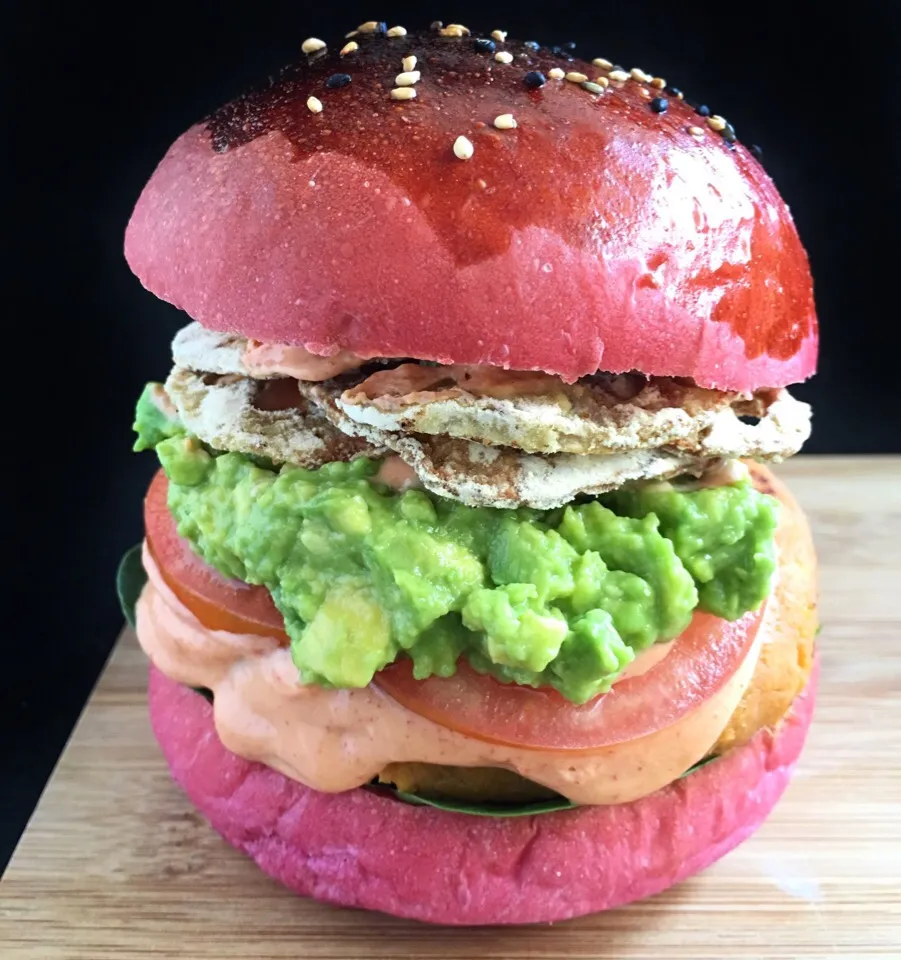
[{"x": 116, "y": 864}]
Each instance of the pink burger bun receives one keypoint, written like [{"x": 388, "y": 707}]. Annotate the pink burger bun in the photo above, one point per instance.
[{"x": 601, "y": 234}]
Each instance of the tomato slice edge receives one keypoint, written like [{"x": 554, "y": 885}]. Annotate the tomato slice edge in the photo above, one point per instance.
[
  {"x": 702, "y": 660},
  {"x": 218, "y": 602}
]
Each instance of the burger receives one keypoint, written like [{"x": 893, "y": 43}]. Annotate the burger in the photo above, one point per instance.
[{"x": 467, "y": 591}]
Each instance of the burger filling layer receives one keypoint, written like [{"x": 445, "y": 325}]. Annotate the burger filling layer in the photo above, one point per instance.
[
  {"x": 365, "y": 574},
  {"x": 405, "y": 551},
  {"x": 334, "y": 740},
  {"x": 479, "y": 435}
]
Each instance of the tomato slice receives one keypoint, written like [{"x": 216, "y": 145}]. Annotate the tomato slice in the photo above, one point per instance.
[
  {"x": 218, "y": 602},
  {"x": 700, "y": 662}
]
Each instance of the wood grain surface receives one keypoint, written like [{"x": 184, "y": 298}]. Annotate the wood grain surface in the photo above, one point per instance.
[{"x": 116, "y": 864}]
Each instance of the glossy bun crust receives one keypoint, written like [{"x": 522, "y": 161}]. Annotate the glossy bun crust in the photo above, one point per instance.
[{"x": 597, "y": 234}]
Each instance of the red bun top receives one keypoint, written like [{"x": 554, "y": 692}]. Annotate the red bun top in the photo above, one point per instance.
[{"x": 603, "y": 232}]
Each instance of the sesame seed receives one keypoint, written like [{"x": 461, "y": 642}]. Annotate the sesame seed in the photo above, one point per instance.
[
  {"x": 592, "y": 87},
  {"x": 484, "y": 45},
  {"x": 397, "y": 32},
  {"x": 454, "y": 30},
  {"x": 602, "y": 81},
  {"x": 602, "y": 63},
  {"x": 532, "y": 45},
  {"x": 409, "y": 63},
  {"x": 659, "y": 104},
  {"x": 638, "y": 74},
  {"x": 408, "y": 78},
  {"x": 403, "y": 93},
  {"x": 505, "y": 121},
  {"x": 502, "y": 56},
  {"x": 696, "y": 131},
  {"x": 703, "y": 110},
  {"x": 676, "y": 92},
  {"x": 463, "y": 148},
  {"x": 372, "y": 26},
  {"x": 338, "y": 80},
  {"x": 535, "y": 78},
  {"x": 575, "y": 77},
  {"x": 716, "y": 123},
  {"x": 349, "y": 48},
  {"x": 314, "y": 104},
  {"x": 436, "y": 25},
  {"x": 555, "y": 73},
  {"x": 312, "y": 45},
  {"x": 352, "y": 33},
  {"x": 619, "y": 75},
  {"x": 645, "y": 92},
  {"x": 499, "y": 35},
  {"x": 658, "y": 82}
]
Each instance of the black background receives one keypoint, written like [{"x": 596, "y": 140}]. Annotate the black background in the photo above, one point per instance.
[{"x": 93, "y": 97}]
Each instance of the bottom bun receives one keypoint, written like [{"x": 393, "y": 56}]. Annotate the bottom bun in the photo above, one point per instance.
[{"x": 362, "y": 849}]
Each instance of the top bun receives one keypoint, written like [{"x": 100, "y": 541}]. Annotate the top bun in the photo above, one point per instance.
[{"x": 614, "y": 228}]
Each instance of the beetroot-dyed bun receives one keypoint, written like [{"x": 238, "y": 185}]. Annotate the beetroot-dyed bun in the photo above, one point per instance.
[
  {"x": 598, "y": 234},
  {"x": 360, "y": 849}
]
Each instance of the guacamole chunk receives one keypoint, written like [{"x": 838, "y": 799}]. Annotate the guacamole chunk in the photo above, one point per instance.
[
  {"x": 364, "y": 574},
  {"x": 155, "y": 418}
]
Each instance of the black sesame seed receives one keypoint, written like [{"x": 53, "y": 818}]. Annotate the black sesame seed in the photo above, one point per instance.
[
  {"x": 436, "y": 25},
  {"x": 484, "y": 45},
  {"x": 660, "y": 104},
  {"x": 703, "y": 110},
  {"x": 535, "y": 78},
  {"x": 675, "y": 91},
  {"x": 381, "y": 27},
  {"x": 757, "y": 151},
  {"x": 337, "y": 80},
  {"x": 532, "y": 45},
  {"x": 569, "y": 45},
  {"x": 729, "y": 134},
  {"x": 562, "y": 54}
]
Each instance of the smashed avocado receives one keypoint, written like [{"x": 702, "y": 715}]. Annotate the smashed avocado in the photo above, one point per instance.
[{"x": 364, "y": 574}]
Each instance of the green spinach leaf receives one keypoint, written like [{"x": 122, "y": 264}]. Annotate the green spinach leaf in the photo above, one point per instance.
[
  {"x": 476, "y": 809},
  {"x": 130, "y": 580}
]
